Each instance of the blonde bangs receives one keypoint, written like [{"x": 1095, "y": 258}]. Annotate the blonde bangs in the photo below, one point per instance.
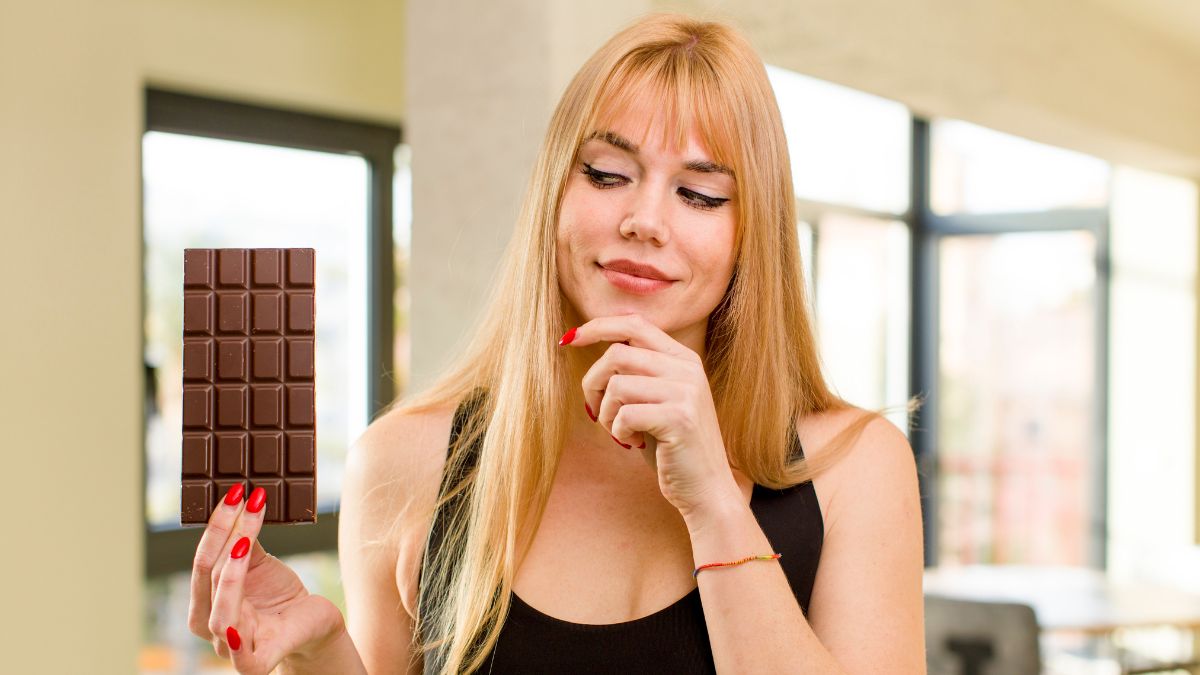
[{"x": 678, "y": 91}]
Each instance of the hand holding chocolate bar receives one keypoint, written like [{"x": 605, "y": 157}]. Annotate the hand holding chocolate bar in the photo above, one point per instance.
[
  {"x": 249, "y": 424},
  {"x": 252, "y": 607}
]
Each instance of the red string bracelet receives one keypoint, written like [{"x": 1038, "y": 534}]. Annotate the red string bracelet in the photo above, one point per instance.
[{"x": 736, "y": 562}]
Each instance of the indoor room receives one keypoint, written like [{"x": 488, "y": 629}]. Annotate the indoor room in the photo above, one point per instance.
[{"x": 994, "y": 209}]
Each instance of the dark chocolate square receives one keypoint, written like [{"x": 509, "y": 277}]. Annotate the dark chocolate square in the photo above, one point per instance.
[
  {"x": 266, "y": 448},
  {"x": 268, "y": 312},
  {"x": 268, "y": 266},
  {"x": 231, "y": 453},
  {"x": 231, "y": 359},
  {"x": 197, "y": 452},
  {"x": 267, "y": 359},
  {"x": 198, "y": 359},
  {"x": 232, "y": 312}
]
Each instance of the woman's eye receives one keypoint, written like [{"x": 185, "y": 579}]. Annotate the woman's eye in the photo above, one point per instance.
[
  {"x": 597, "y": 178},
  {"x": 695, "y": 199},
  {"x": 701, "y": 201}
]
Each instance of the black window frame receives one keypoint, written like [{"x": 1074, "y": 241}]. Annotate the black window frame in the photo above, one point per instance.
[
  {"x": 927, "y": 229},
  {"x": 179, "y": 112}
]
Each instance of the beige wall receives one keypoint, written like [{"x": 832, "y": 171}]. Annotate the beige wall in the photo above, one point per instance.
[{"x": 71, "y": 76}]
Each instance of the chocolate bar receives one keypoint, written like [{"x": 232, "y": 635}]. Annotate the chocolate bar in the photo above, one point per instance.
[{"x": 249, "y": 407}]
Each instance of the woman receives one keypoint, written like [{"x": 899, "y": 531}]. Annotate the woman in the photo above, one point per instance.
[{"x": 612, "y": 476}]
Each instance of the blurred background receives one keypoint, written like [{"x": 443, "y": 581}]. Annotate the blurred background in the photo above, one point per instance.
[{"x": 998, "y": 210}]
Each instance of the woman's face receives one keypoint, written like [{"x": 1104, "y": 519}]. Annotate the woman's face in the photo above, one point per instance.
[{"x": 672, "y": 211}]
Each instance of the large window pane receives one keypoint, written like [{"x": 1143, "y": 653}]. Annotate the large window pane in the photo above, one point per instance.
[
  {"x": 208, "y": 193},
  {"x": 862, "y": 309},
  {"x": 1153, "y": 509},
  {"x": 846, "y": 146},
  {"x": 1017, "y": 389},
  {"x": 978, "y": 170}
]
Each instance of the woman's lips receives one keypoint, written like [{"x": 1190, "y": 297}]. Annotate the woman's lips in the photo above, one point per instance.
[{"x": 634, "y": 284}]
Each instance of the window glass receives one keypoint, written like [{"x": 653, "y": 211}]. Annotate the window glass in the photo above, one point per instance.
[
  {"x": 1017, "y": 362},
  {"x": 862, "y": 310},
  {"x": 978, "y": 170},
  {"x": 208, "y": 193},
  {"x": 1154, "y": 472},
  {"x": 847, "y": 147}
]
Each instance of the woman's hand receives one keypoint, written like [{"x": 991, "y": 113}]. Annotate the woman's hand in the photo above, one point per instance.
[
  {"x": 251, "y": 606},
  {"x": 649, "y": 390}
]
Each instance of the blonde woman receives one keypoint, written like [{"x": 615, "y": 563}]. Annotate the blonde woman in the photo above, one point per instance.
[{"x": 636, "y": 465}]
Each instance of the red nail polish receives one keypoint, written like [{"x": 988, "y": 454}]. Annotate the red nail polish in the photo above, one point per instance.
[
  {"x": 257, "y": 500},
  {"x": 234, "y": 495},
  {"x": 568, "y": 337},
  {"x": 620, "y": 443},
  {"x": 241, "y": 548},
  {"x": 232, "y": 637},
  {"x": 589, "y": 411}
]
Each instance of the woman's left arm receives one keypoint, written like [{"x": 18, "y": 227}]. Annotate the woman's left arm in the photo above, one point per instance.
[{"x": 866, "y": 610}]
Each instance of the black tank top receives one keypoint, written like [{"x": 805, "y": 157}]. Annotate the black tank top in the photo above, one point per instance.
[{"x": 671, "y": 640}]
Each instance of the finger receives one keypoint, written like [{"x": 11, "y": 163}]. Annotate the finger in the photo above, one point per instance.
[
  {"x": 226, "y": 619},
  {"x": 623, "y": 390},
  {"x": 634, "y": 329},
  {"x": 208, "y": 551},
  {"x": 251, "y": 657},
  {"x": 643, "y": 418},
  {"x": 236, "y": 642},
  {"x": 248, "y": 524},
  {"x": 220, "y": 647},
  {"x": 617, "y": 359}
]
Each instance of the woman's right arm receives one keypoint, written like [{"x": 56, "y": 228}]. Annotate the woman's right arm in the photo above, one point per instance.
[
  {"x": 396, "y": 463},
  {"x": 255, "y": 610}
]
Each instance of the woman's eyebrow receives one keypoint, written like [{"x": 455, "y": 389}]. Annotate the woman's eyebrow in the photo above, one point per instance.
[{"x": 622, "y": 143}]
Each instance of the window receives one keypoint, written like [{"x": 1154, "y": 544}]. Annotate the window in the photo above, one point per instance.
[
  {"x": 214, "y": 193},
  {"x": 224, "y": 174},
  {"x": 1017, "y": 241},
  {"x": 968, "y": 267},
  {"x": 850, "y": 162}
]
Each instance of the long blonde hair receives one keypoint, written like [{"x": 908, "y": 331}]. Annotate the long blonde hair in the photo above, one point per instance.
[{"x": 760, "y": 346}]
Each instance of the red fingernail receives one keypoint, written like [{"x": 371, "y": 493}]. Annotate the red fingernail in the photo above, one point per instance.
[
  {"x": 234, "y": 495},
  {"x": 241, "y": 548},
  {"x": 620, "y": 443},
  {"x": 589, "y": 409},
  {"x": 258, "y": 498},
  {"x": 568, "y": 336},
  {"x": 234, "y": 640}
]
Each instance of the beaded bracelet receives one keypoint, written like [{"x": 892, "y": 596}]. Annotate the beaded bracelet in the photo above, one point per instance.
[{"x": 736, "y": 562}]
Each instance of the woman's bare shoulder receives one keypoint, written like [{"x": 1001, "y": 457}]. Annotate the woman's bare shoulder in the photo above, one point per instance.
[
  {"x": 817, "y": 430},
  {"x": 398, "y": 460},
  {"x": 876, "y": 456}
]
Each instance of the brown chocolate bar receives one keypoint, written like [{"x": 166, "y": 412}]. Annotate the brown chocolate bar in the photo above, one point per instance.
[{"x": 249, "y": 410}]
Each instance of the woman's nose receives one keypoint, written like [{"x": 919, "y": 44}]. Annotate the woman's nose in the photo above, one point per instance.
[{"x": 648, "y": 219}]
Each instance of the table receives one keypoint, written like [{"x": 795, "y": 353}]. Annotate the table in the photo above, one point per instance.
[{"x": 1073, "y": 600}]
